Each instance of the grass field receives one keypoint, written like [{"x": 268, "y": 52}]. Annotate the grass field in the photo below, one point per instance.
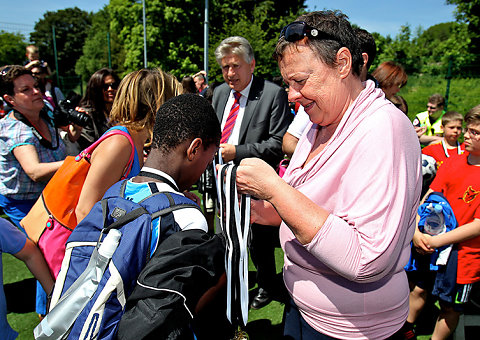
[
  {"x": 464, "y": 93},
  {"x": 263, "y": 324}
]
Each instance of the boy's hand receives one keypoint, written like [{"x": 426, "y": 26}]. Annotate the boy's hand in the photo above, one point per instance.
[
  {"x": 192, "y": 196},
  {"x": 421, "y": 243}
]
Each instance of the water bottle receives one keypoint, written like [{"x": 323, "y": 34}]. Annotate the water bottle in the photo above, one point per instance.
[{"x": 435, "y": 221}]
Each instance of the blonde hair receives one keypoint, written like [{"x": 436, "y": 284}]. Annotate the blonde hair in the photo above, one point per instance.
[
  {"x": 140, "y": 95},
  {"x": 451, "y": 116},
  {"x": 31, "y": 49}
]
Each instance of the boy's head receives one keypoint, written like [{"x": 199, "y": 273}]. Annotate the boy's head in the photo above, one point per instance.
[
  {"x": 187, "y": 124},
  {"x": 436, "y": 102},
  {"x": 472, "y": 133},
  {"x": 31, "y": 52},
  {"x": 452, "y": 122}
]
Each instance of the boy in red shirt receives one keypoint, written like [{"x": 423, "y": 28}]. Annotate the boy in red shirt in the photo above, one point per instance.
[
  {"x": 459, "y": 180},
  {"x": 452, "y": 129}
]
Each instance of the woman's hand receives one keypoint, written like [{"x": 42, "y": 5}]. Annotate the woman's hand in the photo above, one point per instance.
[
  {"x": 257, "y": 178},
  {"x": 262, "y": 212}
]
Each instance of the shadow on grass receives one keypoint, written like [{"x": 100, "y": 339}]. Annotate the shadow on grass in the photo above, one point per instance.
[
  {"x": 20, "y": 296},
  {"x": 263, "y": 329}
]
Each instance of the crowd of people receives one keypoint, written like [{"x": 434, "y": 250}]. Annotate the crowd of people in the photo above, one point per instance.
[{"x": 358, "y": 263}]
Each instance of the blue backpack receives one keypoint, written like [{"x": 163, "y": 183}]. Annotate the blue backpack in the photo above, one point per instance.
[{"x": 100, "y": 317}]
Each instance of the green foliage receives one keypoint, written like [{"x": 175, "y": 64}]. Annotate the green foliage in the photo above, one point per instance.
[
  {"x": 429, "y": 51},
  {"x": 261, "y": 29},
  {"x": 175, "y": 36},
  {"x": 95, "y": 49},
  {"x": 464, "y": 93},
  {"x": 71, "y": 27},
  {"x": 468, "y": 11},
  {"x": 13, "y": 48}
]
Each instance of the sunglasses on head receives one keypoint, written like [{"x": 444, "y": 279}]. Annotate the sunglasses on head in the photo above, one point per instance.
[
  {"x": 5, "y": 71},
  {"x": 106, "y": 87},
  {"x": 298, "y": 30}
]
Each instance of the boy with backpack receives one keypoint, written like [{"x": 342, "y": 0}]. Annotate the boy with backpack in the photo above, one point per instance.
[
  {"x": 458, "y": 180},
  {"x": 163, "y": 237}
]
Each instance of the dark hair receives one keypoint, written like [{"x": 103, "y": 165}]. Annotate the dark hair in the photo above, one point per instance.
[
  {"x": 93, "y": 98},
  {"x": 437, "y": 99},
  {"x": 8, "y": 74},
  {"x": 389, "y": 73},
  {"x": 188, "y": 85},
  {"x": 367, "y": 44},
  {"x": 185, "y": 117},
  {"x": 335, "y": 25},
  {"x": 400, "y": 103}
]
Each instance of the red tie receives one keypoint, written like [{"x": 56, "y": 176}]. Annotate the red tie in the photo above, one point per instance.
[{"x": 232, "y": 116}]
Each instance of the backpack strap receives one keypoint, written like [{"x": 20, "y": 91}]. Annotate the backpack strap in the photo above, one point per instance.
[{"x": 122, "y": 220}]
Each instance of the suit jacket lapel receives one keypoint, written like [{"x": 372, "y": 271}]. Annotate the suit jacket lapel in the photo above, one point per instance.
[
  {"x": 252, "y": 101},
  {"x": 223, "y": 102}
]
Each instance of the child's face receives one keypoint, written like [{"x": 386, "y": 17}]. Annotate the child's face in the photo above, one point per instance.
[
  {"x": 204, "y": 158},
  {"x": 452, "y": 131},
  {"x": 33, "y": 55},
  {"x": 472, "y": 138}
]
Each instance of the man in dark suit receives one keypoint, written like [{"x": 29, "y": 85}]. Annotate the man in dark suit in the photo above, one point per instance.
[{"x": 254, "y": 116}]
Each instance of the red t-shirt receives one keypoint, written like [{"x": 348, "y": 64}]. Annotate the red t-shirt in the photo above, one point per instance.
[
  {"x": 460, "y": 183},
  {"x": 437, "y": 151}
]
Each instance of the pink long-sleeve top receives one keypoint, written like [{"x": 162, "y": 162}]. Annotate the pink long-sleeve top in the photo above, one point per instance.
[{"x": 349, "y": 282}]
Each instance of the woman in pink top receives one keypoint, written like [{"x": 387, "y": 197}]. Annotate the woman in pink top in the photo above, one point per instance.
[{"x": 346, "y": 205}]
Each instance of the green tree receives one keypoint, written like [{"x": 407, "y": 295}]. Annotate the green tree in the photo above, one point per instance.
[
  {"x": 13, "y": 48},
  {"x": 260, "y": 23},
  {"x": 175, "y": 30},
  {"x": 468, "y": 11},
  {"x": 95, "y": 49},
  {"x": 71, "y": 27}
]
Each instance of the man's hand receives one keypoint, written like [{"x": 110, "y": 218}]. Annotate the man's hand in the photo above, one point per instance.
[{"x": 228, "y": 152}]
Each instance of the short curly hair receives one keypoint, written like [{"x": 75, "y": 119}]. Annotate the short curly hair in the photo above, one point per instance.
[
  {"x": 182, "y": 118},
  {"x": 8, "y": 74}
]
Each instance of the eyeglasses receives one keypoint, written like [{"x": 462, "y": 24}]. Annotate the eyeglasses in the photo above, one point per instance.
[
  {"x": 106, "y": 87},
  {"x": 431, "y": 107},
  {"x": 473, "y": 133},
  {"x": 297, "y": 30}
]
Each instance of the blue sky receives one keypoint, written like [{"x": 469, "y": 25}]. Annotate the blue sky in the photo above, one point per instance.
[{"x": 382, "y": 16}]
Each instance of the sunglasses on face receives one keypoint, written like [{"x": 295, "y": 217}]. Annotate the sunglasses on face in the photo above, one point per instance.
[
  {"x": 431, "y": 107},
  {"x": 298, "y": 30},
  {"x": 106, "y": 87}
]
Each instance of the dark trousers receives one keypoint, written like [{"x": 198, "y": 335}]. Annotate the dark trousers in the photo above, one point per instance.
[{"x": 262, "y": 250}]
